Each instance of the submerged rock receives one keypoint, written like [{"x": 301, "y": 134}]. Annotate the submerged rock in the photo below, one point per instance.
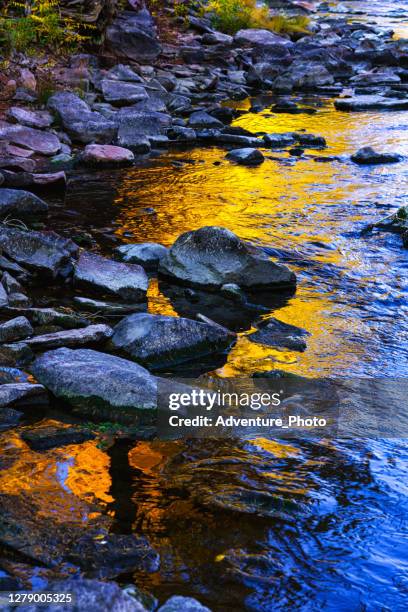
[
  {"x": 107, "y": 155},
  {"x": 104, "y": 276},
  {"x": 147, "y": 254},
  {"x": 278, "y": 333},
  {"x": 213, "y": 256},
  {"x": 159, "y": 341},
  {"x": 52, "y": 436},
  {"x": 98, "y": 384},
  {"x": 92, "y": 335},
  {"x": 17, "y": 394},
  {"x": 15, "y": 329},
  {"x": 367, "y": 156},
  {"x": 20, "y": 204},
  {"x": 246, "y": 156}
]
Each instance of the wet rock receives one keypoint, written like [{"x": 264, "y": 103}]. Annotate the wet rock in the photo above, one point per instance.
[
  {"x": 15, "y": 354},
  {"x": 109, "y": 308},
  {"x": 304, "y": 75},
  {"x": 159, "y": 341},
  {"x": 246, "y": 156},
  {"x": 50, "y": 316},
  {"x": 12, "y": 375},
  {"x": 133, "y": 36},
  {"x": 147, "y": 254},
  {"x": 92, "y": 336},
  {"x": 39, "y": 182},
  {"x": 370, "y": 102},
  {"x": 367, "y": 156},
  {"x": 254, "y": 37},
  {"x": 30, "y": 118},
  {"x": 9, "y": 418},
  {"x": 20, "y": 204},
  {"x": 277, "y": 333},
  {"x": 180, "y": 133},
  {"x": 279, "y": 140},
  {"x": 137, "y": 128},
  {"x": 36, "y": 140},
  {"x": 18, "y": 394},
  {"x": 89, "y": 595},
  {"x": 202, "y": 120},
  {"x": 120, "y": 93},
  {"x": 82, "y": 124},
  {"x": 44, "y": 438},
  {"x": 246, "y": 142},
  {"x": 15, "y": 329},
  {"x": 186, "y": 604},
  {"x": 43, "y": 252},
  {"x": 107, "y": 155},
  {"x": 310, "y": 140},
  {"x": 98, "y": 384},
  {"x": 104, "y": 276},
  {"x": 213, "y": 256},
  {"x": 397, "y": 222}
]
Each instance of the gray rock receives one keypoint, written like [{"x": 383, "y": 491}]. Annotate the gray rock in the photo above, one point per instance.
[
  {"x": 82, "y": 124},
  {"x": 202, "y": 120},
  {"x": 213, "y": 256},
  {"x": 122, "y": 72},
  {"x": 3, "y": 297},
  {"x": 36, "y": 140},
  {"x": 180, "y": 133},
  {"x": 17, "y": 354},
  {"x": 136, "y": 128},
  {"x": 304, "y": 75},
  {"x": 104, "y": 276},
  {"x": 30, "y": 118},
  {"x": 89, "y": 595},
  {"x": 15, "y": 164},
  {"x": 10, "y": 284},
  {"x": 277, "y": 333},
  {"x": 19, "y": 300},
  {"x": 367, "y": 156},
  {"x": 43, "y": 438},
  {"x": 50, "y": 316},
  {"x": 217, "y": 38},
  {"x": 107, "y": 155},
  {"x": 279, "y": 140},
  {"x": 310, "y": 140},
  {"x": 92, "y": 336},
  {"x": 133, "y": 36},
  {"x": 15, "y": 329},
  {"x": 14, "y": 268},
  {"x": 370, "y": 102},
  {"x": 159, "y": 341},
  {"x": 246, "y": 156},
  {"x": 147, "y": 254},
  {"x": 109, "y": 308},
  {"x": 44, "y": 252},
  {"x": 98, "y": 384},
  {"x": 177, "y": 603},
  {"x": 120, "y": 92},
  {"x": 22, "y": 393},
  {"x": 254, "y": 37},
  {"x": 20, "y": 204}
]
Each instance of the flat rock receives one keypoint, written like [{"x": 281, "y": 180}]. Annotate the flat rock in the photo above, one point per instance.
[
  {"x": 30, "y": 118},
  {"x": 92, "y": 335},
  {"x": 104, "y": 276},
  {"x": 42, "y": 252},
  {"x": 370, "y": 102},
  {"x": 107, "y": 155},
  {"x": 367, "y": 156},
  {"x": 15, "y": 329},
  {"x": 277, "y": 333},
  {"x": 122, "y": 72},
  {"x": 147, "y": 254},
  {"x": 214, "y": 256},
  {"x": 36, "y": 140},
  {"x": 246, "y": 156},
  {"x": 22, "y": 393},
  {"x": 43, "y": 438},
  {"x": 4, "y": 300},
  {"x": 136, "y": 128},
  {"x": 98, "y": 384},
  {"x": 120, "y": 93},
  {"x": 159, "y": 341},
  {"x": 186, "y": 604},
  {"x": 50, "y": 316},
  {"x": 254, "y": 37},
  {"x": 279, "y": 140},
  {"x": 109, "y": 308},
  {"x": 20, "y": 204}
]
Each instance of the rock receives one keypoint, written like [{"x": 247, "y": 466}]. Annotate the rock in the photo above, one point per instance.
[
  {"x": 277, "y": 333},
  {"x": 310, "y": 140},
  {"x": 39, "y": 182},
  {"x": 202, "y": 120},
  {"x": 34, "y": 119},
  {"x": 304, "y": 75},
  {"x": 15, "y": 329},
  {"x": 186, "y": 604},
  {"x": 180, "y": 133},
  {"x": 109, "y": 308},
  {"x": 17, "y": 394},
  {"x": 246, "y": 156},
  {"x": 367, "y": 156},
  {"x": 133, "y": 36},
  {"x": 19, "y": 300},
  {"x": 370, "y": 102},
  {"x": 279, "y": 140},
  {"x": 3, "y": 297},
  {"x": 89, "y": 595},
  {"x": 254, "y": 37},
  {"x": 9, "y": 418},
  {"x": 27, "y": 79},
  {"x": 137, "y": 128},
  {"x": 107, "y": 155},
  {"x": 43, "y": 252},
  {"x": 98, "y": 384},
  {"x": 20, "y": 204},
  {"x": 79, "y": 121},
  {"x": 213, "y": 256},
  {"x": 397, "y": 222},
  {"x": 49, "y": 316},
  {"x": 122, "y": 72},
  {"x": 147, "y": 254},
  {"x": 159, "y": 341},
  {"x": 36, "y": 140},
  {"x": 120, "y": 93},
  {"x": 104, "y": 276},
  {"x": 93, "y": 335},
  {"x": 10, "y": 284},
  {"x": 12, "y": 375},
  {"x": 217, "y": 38},
  {"x": 17, "y": 354},
  {"x": 44, "y": 438},
  {"x": 16, "y": 163}
]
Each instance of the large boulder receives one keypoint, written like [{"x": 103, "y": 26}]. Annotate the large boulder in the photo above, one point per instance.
[
  {"x": 19, "y": 204},
  {"x": 106, "y": 277},
  {"x": 43, "y": 252},
  {"x": 159, "y": 341},
  {"x": 98, "y": 384},
  {"x": 133, "y": 36},
  {"x": 36, "y": 140},
  {"x": 213, "y": 256},
  {"x": 82, "y": 124}
]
